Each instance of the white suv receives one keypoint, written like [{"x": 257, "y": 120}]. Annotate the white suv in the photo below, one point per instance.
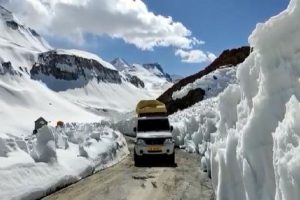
[{"x": 154, "y": 137}]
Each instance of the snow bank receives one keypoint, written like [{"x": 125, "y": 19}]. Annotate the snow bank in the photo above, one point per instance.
[
  {"x": 213, "y": 83},
  {"x": 45, "y": 149},
  {"x": 126, "y": 125},
  {"x": 252, "y": 148},
  {"x": 56, "y": 158},
  {"x": 286, "y": 149},
  {"x": 24, "y": 100},
  {"x": 193, "y": 126},
  {"x": 246, "y": 146},
  {"x": 254, "y": 151}
]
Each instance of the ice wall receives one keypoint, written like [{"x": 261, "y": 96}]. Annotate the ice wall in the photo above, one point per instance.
[{"x": 254, "y": 155}]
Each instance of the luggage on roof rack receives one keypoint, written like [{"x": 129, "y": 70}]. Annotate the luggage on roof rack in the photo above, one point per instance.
[{"x": 151, "y": 108}]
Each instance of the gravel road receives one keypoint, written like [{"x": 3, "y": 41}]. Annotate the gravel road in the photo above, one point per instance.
[{"x": 154, "y": 181}]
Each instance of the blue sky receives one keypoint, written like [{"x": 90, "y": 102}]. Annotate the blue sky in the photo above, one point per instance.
[{"x": 222, "y": 24}]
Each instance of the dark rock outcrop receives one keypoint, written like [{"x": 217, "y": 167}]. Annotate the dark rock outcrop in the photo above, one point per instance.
[
  {"x": 12, "y": 24},
  {"x": 135, "y": 81},
  {"x": 7, "y": 68},
  {"x": 228, "y": 58},
  {"x": 190, "y": 99},
  {"x": 71, "y": 68}
]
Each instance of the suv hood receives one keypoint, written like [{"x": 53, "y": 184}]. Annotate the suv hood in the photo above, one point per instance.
[{"x": 154, "y": 134}]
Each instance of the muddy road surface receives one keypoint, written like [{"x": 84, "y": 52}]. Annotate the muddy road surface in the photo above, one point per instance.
[{"x": 154, "y": 181}]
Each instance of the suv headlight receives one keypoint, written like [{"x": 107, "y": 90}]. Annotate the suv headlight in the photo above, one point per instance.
[
  {"x": 140, "y": 142},
  {"x": 169, "y": 141}
]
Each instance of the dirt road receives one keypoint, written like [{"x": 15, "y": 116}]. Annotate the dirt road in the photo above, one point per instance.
[{"x": 155, "y": 181}]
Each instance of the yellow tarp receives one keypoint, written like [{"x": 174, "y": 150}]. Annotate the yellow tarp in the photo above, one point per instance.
[{"x": 150, "y": 106}]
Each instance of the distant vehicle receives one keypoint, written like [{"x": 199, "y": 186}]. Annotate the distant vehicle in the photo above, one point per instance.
[{"x": 153, "y": 132}]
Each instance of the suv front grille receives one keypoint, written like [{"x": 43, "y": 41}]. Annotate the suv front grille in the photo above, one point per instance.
[{"x": 154, "y": 141}]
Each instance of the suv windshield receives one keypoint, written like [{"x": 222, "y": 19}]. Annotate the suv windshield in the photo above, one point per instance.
[{"x": 153, "y": 125}]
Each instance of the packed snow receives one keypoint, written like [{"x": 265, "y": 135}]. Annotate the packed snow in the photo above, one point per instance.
[
  {"x": 56, "y": 157},
  {"x": 213, "y": 83},
  {"x": 194, "y": 126},
  {"x": 248, "y": 134}
]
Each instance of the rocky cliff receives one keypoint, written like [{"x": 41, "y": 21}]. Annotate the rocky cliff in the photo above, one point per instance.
[
  {"x": 71, "y": 68},
  {"x": 228, "y": 58}
]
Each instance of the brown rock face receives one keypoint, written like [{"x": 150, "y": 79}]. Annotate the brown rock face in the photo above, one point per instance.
[
  {"x": 190, "y": 99},
  {"x": 231, "y": 57}
]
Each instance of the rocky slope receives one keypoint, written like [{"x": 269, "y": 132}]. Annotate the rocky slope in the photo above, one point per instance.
[
  {"x": 63, "y": 66},
  {"x": 228, "y": 58}
]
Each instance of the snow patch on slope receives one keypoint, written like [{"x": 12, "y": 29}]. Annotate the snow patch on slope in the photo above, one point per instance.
[
  {"x": 110, "y": 97},
  {"x": 24, "y": 100},
  {"x": 18, "y": 43},
  {"x": 155, "y": 82},
  {"x": 213, "y": 83},
  {"x": 120, "y": 64}
]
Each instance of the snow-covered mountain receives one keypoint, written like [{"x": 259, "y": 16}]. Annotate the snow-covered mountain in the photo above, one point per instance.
[
  {"x": 157, "y": 70},
  {"x": 120, "y": 64},
  {"x": 20, "y": 95},
  {"x": 61, "y": 70},
  {"x": 59, "y": 85},
  {"x": 70, "y": 85},
  {"x": 149, "y": 76},
  {"x": 18, "y": 44}
]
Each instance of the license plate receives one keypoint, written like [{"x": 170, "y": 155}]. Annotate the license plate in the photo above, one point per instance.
[{"x": 154, "y": 148}]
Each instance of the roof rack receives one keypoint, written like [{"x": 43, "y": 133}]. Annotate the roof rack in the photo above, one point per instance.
[{"x": 151, "y": 108}]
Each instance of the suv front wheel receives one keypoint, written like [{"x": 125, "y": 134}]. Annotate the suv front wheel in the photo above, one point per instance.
[
  {"x": 137, "y": 159},
  {"x": 171, "y": 159}
]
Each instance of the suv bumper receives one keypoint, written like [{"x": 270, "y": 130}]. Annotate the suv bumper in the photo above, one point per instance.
[{"x": 166, "y": 149}]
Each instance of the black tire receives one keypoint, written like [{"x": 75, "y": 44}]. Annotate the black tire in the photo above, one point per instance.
[
  {"x": 137, "y": 160},
  {"x": 171, "y": 159}
]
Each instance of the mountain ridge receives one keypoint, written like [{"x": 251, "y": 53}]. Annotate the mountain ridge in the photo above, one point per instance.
[{"x": 228, "y": 58}]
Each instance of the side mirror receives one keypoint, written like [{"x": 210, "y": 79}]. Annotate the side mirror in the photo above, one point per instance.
[{"x": 171, "y": 128}]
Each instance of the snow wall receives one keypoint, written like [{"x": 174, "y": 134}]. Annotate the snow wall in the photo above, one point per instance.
[
  {"x": 254, "y": 154},
  {"x": 55, "y": 158},
  {"x": 249, "y": 134}
]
